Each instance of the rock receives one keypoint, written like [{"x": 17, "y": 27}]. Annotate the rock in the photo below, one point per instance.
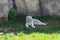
[
  {"x": 28, "y": 7},
  {"x": 51, "y": 7},
  {"x": 4, "y": 9},
  {"x": 10, "y": 4},
  {"x": 3, "y": 1},
  {"x": 20, "y": 6}
]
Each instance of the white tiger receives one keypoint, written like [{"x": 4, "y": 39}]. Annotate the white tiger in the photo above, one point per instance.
[{"x": 31, "y": 22}]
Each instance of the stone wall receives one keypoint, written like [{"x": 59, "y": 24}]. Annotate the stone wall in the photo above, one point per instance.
[
  {"x": 28, "y": 7},
  {"x": 20, "y": 6},
  {"x": 31, "y": 7},
  {"x": 51, "y": 7},
  {"x": 4, "y": 10}
]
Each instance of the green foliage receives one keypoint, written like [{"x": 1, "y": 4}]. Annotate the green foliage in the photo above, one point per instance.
[
  {"x": 12, "y": 15},
  {"x": 20, "y": 32}
]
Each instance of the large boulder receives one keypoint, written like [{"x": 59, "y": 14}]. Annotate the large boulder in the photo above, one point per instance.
[
  {"x": 10, "y": 4},
  {"x": 51, "y": 7},
  {"x": 28, "y": 7},
  {"x": 3, "y": 1},
  {"x": 4, "y": 10},
  {"x": 20, "y": 6}
]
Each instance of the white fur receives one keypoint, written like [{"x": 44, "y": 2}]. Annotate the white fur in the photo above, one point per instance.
[{"x": 31, "y": 22}]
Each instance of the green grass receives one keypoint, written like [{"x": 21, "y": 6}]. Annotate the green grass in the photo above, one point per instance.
[{"x": 18, "y": 30}]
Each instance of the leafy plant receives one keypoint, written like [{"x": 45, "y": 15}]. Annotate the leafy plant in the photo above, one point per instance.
[{"x": 12, "y": 15}]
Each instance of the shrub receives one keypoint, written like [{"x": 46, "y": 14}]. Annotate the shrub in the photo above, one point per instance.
[{"x": 12, "y": 15}]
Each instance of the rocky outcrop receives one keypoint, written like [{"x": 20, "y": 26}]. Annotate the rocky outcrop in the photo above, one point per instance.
[
  {"x": 20, "y": 6},
  {"x": 4, "y": 10},
  {"x": 29, "y": 7},
  {"x": 51, "y": 7}
]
